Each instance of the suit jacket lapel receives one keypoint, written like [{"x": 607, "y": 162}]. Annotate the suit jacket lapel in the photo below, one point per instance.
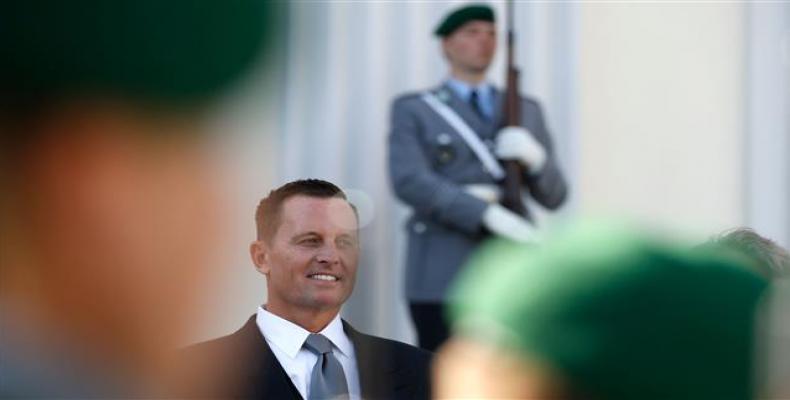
[
  {"x": 379, "y": 377},
  {"x": 265, "y": 377}
]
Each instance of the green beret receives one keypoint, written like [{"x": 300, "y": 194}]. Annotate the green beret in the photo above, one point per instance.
[
  {"x": 619, "y": 315},
  {"x": 169, "y": 51},
  {"x": 454, "y": 20}
]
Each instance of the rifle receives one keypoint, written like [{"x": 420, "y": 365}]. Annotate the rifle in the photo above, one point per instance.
[{"x": 512, "y": 184}]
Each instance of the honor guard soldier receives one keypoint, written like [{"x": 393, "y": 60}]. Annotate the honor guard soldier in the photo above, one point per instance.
[{"x": 445, "y": 149}]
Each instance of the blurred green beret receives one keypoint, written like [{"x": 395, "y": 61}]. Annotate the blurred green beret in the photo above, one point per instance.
[
  {"x": 618, "y": 314},
  {"x": 169, "y": 51},
  {"x": 454, "y": 20}
]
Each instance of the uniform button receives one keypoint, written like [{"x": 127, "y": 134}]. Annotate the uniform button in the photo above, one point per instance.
[
  {"x": 445, "y": 156},
  {"x": 419, "y": 227},
  {"x": 489, "y": 143},
  {"x": 444, "y": 139}
]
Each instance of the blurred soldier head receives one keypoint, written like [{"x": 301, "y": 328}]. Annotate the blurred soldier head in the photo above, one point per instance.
[
  {"x": 770, "y": 258},
  {"x": 308, "y": 248},
  {"x": 469, "y": 38},
  {"x": 109, "y": 213},
  {"x": 773, "y": 341},
  {"x": 603, "y": 313}
]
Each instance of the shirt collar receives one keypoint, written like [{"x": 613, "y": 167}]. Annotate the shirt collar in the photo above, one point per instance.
[
  {"x": 335, "y": 333},
  {"x": 290, "y": 337},
  {"x": 464, "y": 89}
]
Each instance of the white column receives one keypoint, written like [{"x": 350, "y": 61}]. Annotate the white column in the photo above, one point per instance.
[{"x": 767, "y": 194}]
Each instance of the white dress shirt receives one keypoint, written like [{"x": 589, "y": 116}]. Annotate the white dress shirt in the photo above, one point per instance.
[{"x": 286, "y": 340}]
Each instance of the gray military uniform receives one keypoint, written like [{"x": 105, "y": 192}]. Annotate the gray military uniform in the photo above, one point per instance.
[{"x": 429, "y": 164}]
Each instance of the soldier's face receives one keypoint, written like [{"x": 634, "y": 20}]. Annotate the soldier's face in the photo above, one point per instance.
[
  {"x": 311, "y": 262},
  {"x": 126, "y": 218},
  {"x": 464, "y": 368},
  {"x": 472, "y": 46}
]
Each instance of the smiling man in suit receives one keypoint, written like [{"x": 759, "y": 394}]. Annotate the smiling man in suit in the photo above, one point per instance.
[
  {"x": 445, "y": 145},
  {"x": 296, "y": 345}
]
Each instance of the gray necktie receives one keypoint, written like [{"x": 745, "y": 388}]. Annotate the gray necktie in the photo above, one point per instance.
[
  {"x": 327, "y": 380},
  {"x": 474, "y": 101}
]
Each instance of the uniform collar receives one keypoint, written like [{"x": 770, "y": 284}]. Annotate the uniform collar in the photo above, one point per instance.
[{"x": 464, "y": 89}]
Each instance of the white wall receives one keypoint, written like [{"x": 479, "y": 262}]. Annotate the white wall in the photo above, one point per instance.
[
  {"x": 767, "y": 133},
  {"x": 661, "y": 112}
]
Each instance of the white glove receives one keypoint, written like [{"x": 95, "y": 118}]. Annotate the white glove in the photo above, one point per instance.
[
  {"x": 503, "y": 222},
  {"x": 487, "y": 192},
  {"x": 517, "y": 143}
]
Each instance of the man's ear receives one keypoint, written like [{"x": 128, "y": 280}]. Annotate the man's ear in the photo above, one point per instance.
[{"x": 259, "y": 252}]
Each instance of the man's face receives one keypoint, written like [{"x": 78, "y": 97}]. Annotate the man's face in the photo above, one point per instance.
[
  {"x": 311, "y": 262},
  {"x": 472, "y": 46}
]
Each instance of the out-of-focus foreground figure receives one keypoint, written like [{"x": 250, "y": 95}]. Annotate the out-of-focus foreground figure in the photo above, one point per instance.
[
  {"x": 771, "y": 259},
  {"x": 773, "y": 341},
  {"x": 108, "y": 216},
  {"x": 603, "y": 313}
]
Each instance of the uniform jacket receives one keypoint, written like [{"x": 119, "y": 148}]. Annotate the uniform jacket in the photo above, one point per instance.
[
  {"x": 429, "y": 163},
  {"x": 242, "y": 365}
]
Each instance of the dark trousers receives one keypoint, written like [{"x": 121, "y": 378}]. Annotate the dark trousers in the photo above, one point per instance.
[{"x": 432, "y": 329}]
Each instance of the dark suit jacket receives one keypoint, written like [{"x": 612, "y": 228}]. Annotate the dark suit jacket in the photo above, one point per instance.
[{"x": 242, "y": 365}]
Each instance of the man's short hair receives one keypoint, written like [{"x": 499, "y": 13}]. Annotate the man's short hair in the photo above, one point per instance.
[
  {"x": 771, "y": 259},
  {"x": 267, "y": 215}
]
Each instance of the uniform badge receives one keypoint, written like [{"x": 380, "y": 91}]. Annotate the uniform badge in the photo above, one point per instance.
[{"x": 445, "y": 153}]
